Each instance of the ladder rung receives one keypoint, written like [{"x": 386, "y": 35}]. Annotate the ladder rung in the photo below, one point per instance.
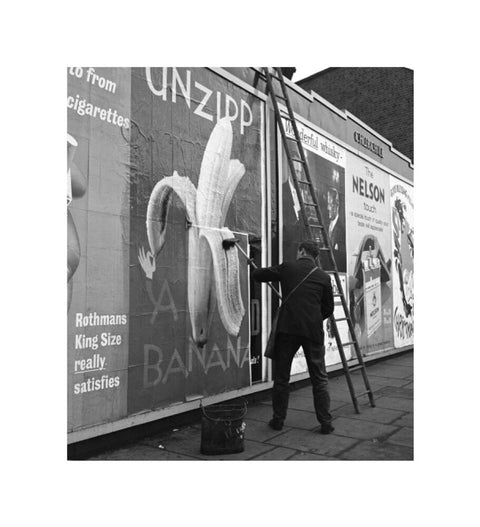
[
  {"x": 348, "y": 343},
  {"x": 316, "y": 226},
  {"x": 324, "y": 249},
  {"x": 304, "y": 182},
  {"x": 274, "y": 75},
  {"x": 356, "y": 367},
  {"x": 340, "y": 319},
  {"x": 309, "y": 203},
  {"x": 298, "y": 160},
  {"x": 294, "y": 139}
]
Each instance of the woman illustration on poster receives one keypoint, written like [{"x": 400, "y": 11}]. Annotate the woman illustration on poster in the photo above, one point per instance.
[
  {"x": 404, "y": 270},
  {"x": 77, "y": 187}
]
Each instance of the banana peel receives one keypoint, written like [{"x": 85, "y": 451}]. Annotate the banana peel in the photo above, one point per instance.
[{"x": 213, "y": 273}]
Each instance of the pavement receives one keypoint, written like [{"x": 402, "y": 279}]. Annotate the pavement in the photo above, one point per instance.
[{"x": 382, "y": 433}]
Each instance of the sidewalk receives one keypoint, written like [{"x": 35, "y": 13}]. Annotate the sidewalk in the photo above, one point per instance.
[{"x": 381, "y": 433}]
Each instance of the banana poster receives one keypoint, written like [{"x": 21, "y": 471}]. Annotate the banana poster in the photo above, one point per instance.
[{"x": 164, "y": 166}]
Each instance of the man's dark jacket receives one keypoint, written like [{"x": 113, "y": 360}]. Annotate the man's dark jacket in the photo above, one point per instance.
[{"x": 309, "y": 305}]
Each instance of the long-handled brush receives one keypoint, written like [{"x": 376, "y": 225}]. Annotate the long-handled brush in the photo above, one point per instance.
[{"x": 228, "y": 244}]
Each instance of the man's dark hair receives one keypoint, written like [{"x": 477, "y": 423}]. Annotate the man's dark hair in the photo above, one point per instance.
[
  {"x": 334, "y": 193},
  {"x": 310, "y": 248}
]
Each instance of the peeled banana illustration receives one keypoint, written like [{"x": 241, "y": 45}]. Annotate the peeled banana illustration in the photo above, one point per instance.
[{"x": 213, "y": 273}]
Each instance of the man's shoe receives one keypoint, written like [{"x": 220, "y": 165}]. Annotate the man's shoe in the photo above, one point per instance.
[
  {"x": 275, "y": 424},
  {"x": 326, "y": 428}
]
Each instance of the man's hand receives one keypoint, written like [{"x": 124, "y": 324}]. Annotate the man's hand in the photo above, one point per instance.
[{"x": 147, "y": 261}]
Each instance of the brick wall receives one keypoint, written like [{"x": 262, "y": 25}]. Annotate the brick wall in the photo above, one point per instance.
[{"x": 381, "y": 97}]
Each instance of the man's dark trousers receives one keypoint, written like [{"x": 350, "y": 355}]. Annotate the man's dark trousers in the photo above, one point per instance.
[{"x": 285, "y": 348}]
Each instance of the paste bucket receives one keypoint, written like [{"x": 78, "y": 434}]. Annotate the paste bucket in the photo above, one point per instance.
[{"x": 223, "y": 428}]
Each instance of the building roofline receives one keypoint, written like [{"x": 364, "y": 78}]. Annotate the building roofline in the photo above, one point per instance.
[
  {"x": 321, "y": 72},
  {"x": 328, "y": 70}
]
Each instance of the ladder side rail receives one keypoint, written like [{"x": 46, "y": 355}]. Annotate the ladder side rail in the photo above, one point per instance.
[
  {"x": 301, "y": 151},
  {"x": 344, "y": 364},
  {"x": 354, "y": 339},
  {"x": 325, "y": 237},
  {"x": 286, "y": 147}
]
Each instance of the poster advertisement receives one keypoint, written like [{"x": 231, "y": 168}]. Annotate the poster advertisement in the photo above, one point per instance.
[
  {"x": 326, "y": 161},
  {"x": 401, "y": 200},
  {"x": 98, "y": 123},
  {"x": 196, "y": 155},
  {"x": 163, "y": 192},
  {"x": 332, "y": 355},
  {"x": 369, "y": 250}
]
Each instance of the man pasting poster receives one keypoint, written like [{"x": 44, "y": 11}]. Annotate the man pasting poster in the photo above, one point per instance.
[{"x": 369, "y": 254}]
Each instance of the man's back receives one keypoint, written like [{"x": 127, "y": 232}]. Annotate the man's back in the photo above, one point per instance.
[{"x": 310, "y": 303}]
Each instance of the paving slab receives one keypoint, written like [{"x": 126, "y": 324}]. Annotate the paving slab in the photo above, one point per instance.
[
  {"x": 260, "y": 431},
  {"x": 295, "y": 418},
  {"x": 260, "y": 412},
  {"x": 305, "y": 403},
  {"x": 387, "y": 370},
  {"x": 299, "y": 402},
  {"x": 378, "y": 451},
  {"x": 341, "y": 395},
  {"x": 359, "y": 429},
  {"x": 187, "y": 442},
  {"x": 380, "y": 381},
  {"x": 367, "y": 413},
  {"x": 395, "y": 403},
  {"x": 309, "y": 456},
  {"x": 402, "y": 360},
  {"x": 340, "y": 389},
  {"x": 393, "y": 391},
  {"x": 276, "y": 454},
  {"x": 405, "y": 420},
  {"x": 403, "y": 437},
  {"x": 313, "y": 442},
  {"x": 334, "y": 404},
  {"x": 141, "y": 453},
  {"x": 301, "y": 419}
]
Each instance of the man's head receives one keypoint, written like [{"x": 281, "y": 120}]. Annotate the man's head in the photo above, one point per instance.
[
  {"x": 332, "y": 203},
  {"x": 307, "y": 248}
]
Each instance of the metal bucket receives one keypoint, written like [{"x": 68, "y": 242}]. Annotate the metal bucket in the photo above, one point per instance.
[{"x": 223, "y": 428}]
